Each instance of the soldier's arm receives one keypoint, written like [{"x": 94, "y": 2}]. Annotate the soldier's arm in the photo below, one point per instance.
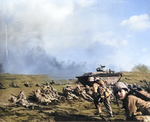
[
  {"x": 68, "y": 89},
  {"x": 95, "y": 87},
  {"x": 131, "y": 108}
]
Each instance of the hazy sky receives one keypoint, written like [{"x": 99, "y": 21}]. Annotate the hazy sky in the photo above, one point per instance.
[{"x": 71, "y": 37}]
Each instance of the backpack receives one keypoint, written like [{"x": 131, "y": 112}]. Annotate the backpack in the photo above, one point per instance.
[
  {"x": 139, "y": 92},
  {"x": 103, "y": 92}
]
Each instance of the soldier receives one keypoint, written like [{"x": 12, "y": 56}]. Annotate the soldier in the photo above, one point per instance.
[
  {"x": 53, "y": 82},
  {"x": 47, "y": 83},
  {"x": 101, "y": 94},
  {"x": 1, "y": 86},
  {"x": 14, "y": 85},
  {"x": 41, "y": 98},
  {"x": 21, "y": 99},
  {"x": 77, "y": 90},
  {"x": 132, "y": 103},
  {"x": 27, "y": 84},
  {"x": 54, "y": 91},
  {"x": 43, "y": 88},
  {"x": 82, "y": 92},
  {"x": 38, "y": 85},
  {"x": 68, "y": 92},
  {"x": 13, "y": 99},
  {"x": 21, "y": 96},
  {"x": 89, "y": 90}
]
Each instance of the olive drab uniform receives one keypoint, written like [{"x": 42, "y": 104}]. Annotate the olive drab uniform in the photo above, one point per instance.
[
  {"x": 101, "y": 94},
  {"x": 89, "y": 90},
  {"x": 68, "y": 93},
  {"x": 46, "y": 95},
  {"x": 135, "y": 100},
  {"x": 82, "y": 92},
  {"x": 21, "y": 100},
  {"x": 132, "y": 103},
  {"x": 105, "y": 96},
  {"x": 40, "y": 97}
]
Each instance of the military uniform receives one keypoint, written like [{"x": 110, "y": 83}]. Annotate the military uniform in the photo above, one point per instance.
[
  {"x": 21, "y": 96},
  {"x": 82, "y": 92},
  {"x": 41, "y": 98},
  {"x": 132, "y": 102},
  {"x": 102, "y": 94},
  {"x": 67, "y": 91},
  {"x": 21, "y": 100},
  {"x": 89, "y": 90}
]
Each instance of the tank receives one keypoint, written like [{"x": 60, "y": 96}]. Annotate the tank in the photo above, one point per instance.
[{"x": 109, "y": 76}]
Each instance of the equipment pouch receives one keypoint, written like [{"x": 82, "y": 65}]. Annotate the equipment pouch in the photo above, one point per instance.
[{"x": 100, "y": 100}]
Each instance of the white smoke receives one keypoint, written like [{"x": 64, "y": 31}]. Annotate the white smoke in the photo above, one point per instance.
[{"x": 34, "y": 33}]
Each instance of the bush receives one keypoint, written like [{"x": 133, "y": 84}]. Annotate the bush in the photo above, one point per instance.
[{"x": 140, "y": 68}]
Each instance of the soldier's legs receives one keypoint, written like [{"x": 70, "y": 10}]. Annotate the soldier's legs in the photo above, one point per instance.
[
  {"x": 89, "y": 97},
  {"x": 69, "y": 97},
  {"x": 99, "y": 108},
  {"x": 74, "y": 96},
  {"x": 97, "y": 105},
  {"x": 84, "y": 96},
  {"x": 108, "y": 106}
]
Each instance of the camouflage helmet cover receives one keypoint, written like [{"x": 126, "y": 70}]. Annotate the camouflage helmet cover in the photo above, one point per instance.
[{"x": 119, "y": 85}]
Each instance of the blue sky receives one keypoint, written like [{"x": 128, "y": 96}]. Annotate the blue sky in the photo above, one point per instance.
[{"x": 71, "y": 37}]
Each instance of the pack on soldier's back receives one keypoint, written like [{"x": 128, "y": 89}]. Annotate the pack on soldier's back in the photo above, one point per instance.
[{"x": 134, "y": 99}]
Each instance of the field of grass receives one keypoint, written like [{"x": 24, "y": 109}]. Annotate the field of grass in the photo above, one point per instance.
[{"x": 70, "y": 110}]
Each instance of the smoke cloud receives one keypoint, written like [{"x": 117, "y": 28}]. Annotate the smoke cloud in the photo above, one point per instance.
[
  {"x": 1, "y": 68},
  {"x": 68, "y": 38},
  {"x": 36, "y": 61},
  {"x": 35, "y": 38}
]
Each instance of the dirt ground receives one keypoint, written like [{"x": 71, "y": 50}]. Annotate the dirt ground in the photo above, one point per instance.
[
  {"x": 68, "y": 110},
  {"x": 63, "y": 110}
]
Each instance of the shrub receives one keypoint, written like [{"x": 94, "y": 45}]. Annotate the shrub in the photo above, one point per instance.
[{"x": 140, "y": 68}]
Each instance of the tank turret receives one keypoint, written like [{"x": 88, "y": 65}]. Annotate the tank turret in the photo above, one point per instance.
[{"x": 109, "y": 76}]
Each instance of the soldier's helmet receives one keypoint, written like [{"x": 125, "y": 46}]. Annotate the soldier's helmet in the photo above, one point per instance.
[
  {"x": 21, "y": 92},
  {"x": 68, "y": 86},
  {"x": 44, "y": 87},
  {"x": 100, "y": 82},
  {"x": 118, "y": 86},
  {"x": 87, "y": 87},
  {"x": 38, "y": 91}
]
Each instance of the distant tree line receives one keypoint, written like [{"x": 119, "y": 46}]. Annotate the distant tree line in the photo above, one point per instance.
[{"x": 140, "y": 68}]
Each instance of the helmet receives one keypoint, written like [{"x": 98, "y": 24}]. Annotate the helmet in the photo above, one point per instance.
[
  {"x": 78, "y": 86},
  {"x": 38, "y": 90},
  {"x": 119, "y": 85},
  {"x": 87, "y": 87},
  {"x": 68, "y": 86},
  {"x": 101, "y": 82}
]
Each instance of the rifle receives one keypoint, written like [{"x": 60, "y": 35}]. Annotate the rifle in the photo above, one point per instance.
[{"x": 135, "y": 91}]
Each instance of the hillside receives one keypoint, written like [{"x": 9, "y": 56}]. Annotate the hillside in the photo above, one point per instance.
[{"x": 70, "y": 110}]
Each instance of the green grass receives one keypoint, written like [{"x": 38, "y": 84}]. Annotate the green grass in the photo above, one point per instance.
[{"x": 76, "y": 107}]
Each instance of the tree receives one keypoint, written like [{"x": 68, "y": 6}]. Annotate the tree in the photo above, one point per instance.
[{"x": 140, "y": 68}]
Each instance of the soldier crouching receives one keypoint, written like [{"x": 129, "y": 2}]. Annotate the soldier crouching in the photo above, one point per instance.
[
  {"x": 101, "y": 94},
  {"x": 132, "y": 103}
]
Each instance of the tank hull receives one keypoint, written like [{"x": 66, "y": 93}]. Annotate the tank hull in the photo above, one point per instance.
[{"x": 89, "y": 78}]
